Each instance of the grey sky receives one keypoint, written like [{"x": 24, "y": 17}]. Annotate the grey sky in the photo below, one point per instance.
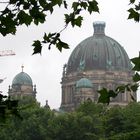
[{"x": 46, "y": 70}]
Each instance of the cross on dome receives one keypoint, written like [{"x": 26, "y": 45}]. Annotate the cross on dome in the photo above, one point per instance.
[{"x": 22, "y": 67}]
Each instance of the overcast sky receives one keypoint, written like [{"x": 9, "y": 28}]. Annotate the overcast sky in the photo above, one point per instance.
[{"x": 46, "y": 69}]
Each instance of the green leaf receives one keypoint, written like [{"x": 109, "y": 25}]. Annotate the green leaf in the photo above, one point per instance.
[
  {"x": 137, "y": 7},
  {"x": 33, "y": 2},
  {"x": 59, "y": 2},
  {"x": 70, "y": 19},
  {"x": 26, "y": 5},
  {"x": 75, "y": 5},
  {"x": 77, "y": 12},
  {"x": 46, "y": 38},
  {"x": 133, "y": 15},
  {"x": 13, "y": 1},
  {"x": 84, "y": 5},
  {"x": 136, "y": 77},
  {"x": 134, "y": 87},
  {"x": 24, "y": 18},
  {"x": 67, "y": 20},
  {"x": 3, "y": 31},
  {"x": 61, "y": 45},
  {"x": 78, "y": 21},
  {"x": 37, "y": 47},
  {"x": 120, "y": 89},
  {"x": 43, "y": 3},
  {"x": 2, "y": 97},
  {"x": 8, "y": 25},
  {"x": 104, "y": 96},
  {"x": 38, "y": 16},
  {"x": 6, "y": 11},
  {"x": 132, "y": 1},
  {"x": 136, "y": 62},
  {"x": 112, "y": 94},
  {"x": 49, "y": 7},
  {"x": 50, "y": 35},
  {"x": 93, "y": 6}
]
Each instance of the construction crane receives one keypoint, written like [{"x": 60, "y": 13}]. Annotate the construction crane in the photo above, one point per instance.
[
  {"x": 6, "y": 53},
  {"x": 1, "y": 80}
]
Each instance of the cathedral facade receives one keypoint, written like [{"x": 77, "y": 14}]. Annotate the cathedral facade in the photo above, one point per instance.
[{"x": 98, "y": 61}]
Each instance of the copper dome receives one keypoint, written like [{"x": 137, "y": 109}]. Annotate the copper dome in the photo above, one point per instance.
[{"x": 98, "y": 52}]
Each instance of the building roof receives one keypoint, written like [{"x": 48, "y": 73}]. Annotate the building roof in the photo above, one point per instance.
[
  {"x": 22, "y": 79},
  {"x": 98, "y": 52},
  {"x": 84, "y": 83}
]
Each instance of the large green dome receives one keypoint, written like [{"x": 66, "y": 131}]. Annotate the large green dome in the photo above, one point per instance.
[
  {"x": 98, "y": 52},
  {"x": 22, "y": 79}
]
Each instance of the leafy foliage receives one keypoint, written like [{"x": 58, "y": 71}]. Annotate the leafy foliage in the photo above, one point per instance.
[
  {"x": 136, "y": 77},
  {"x": 106, "y": 95},
  {"x": 97, "y": 123},
  {"x": 134, "y": 13},
  {"x": 8, "y": 108},
  {"x": 19, "y": 12},
  {"x": 136, "y": 62},
  {"x": 51, "y": 38}
]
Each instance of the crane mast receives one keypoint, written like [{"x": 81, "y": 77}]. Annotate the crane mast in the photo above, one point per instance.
[{"x": 6, "y": 53}]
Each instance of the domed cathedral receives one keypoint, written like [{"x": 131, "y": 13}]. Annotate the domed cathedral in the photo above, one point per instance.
[
  {"x": 98, "y": 61},
  {"x": 22, "y": 86}
]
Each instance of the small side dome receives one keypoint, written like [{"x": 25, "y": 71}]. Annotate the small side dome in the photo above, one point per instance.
[
  {"x": 84, "y": 83},
  {"x": 22, "y": 79}
]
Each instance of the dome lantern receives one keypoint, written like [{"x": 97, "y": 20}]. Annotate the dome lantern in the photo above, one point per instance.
[{"x": 99, "y": 27}]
